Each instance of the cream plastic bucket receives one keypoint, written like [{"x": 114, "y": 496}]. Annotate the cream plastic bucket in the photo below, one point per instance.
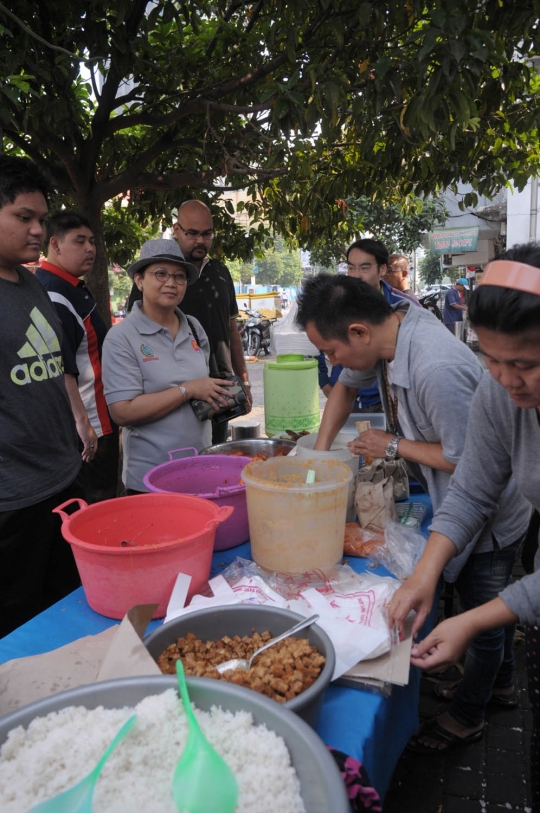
[
  {"x": 338, "y": 451},
  {"x": 295, "y": 526}
]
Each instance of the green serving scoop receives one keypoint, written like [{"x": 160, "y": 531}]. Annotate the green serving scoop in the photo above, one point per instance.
[
  {"x": 78, "y": 799},
  {"x": 202, "y": 780}
]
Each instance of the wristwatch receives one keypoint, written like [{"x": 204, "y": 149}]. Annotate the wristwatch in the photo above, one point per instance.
[
  {"x": 184, "y": 393},
  {"x": 391, "y": 450}
]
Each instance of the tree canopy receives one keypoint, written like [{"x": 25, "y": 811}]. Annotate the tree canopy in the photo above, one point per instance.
[
  {"x": 276, "y": 266},
  {"x": 431, "y": 270},
  {"x": 400, "y": 225},
  {"x": 304, "y": 103}
]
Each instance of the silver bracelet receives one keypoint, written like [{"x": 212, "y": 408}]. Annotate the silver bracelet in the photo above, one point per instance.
[
  {"x": 246, "y": 383},
  {"x": 184, "y": 392}
]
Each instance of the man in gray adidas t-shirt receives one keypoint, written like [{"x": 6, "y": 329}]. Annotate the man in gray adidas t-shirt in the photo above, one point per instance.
[{"x": 38, "y": 444}]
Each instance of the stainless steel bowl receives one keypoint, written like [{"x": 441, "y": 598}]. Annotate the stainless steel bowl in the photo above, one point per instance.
[{"x": 271, "y": 447}]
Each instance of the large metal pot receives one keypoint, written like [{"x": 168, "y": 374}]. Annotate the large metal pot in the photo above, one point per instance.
[
  {"x": 271, "y": 447},
  {"x": 321, "y": 785}
]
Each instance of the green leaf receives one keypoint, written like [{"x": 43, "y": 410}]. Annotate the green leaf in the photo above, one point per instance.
[{"x": 21, "y": 82}]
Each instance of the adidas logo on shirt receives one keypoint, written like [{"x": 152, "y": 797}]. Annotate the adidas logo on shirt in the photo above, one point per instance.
[{"x": 42, "y": 344}]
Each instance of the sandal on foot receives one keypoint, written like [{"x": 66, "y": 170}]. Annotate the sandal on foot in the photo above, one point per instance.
[
  {"x": 445, "y": 740},
  {"x": 507, "y": 701},
  {"x": 446, "y": 690}
]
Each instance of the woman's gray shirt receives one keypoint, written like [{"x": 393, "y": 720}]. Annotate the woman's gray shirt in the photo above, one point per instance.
[
  {"x": 140, "y": 357},
  {"x": 502, "y": 440}
]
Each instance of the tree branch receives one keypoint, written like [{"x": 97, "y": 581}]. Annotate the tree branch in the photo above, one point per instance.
[
  {"x": 29, "y": 31},
  {"x": 254, "y": 15}
]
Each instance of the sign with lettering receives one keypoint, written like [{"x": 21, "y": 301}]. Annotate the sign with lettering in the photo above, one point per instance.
[{"x": 453, "y": 241}]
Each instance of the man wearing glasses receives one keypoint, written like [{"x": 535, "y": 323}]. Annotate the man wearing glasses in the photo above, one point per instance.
[
  {"x": 211, "y": 299},
  {"x": 397, "y": 274},
  {"x": 366, "y": 260}
]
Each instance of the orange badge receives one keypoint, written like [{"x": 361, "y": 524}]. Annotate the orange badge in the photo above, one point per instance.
[{"x": 194, "y": 345}]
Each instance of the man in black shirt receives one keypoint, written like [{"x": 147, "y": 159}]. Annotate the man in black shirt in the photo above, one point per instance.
[{"x": 211, "y": 299}]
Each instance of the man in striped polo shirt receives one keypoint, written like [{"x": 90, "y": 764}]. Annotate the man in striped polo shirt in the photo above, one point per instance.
[{"x": 70, "y": 255}]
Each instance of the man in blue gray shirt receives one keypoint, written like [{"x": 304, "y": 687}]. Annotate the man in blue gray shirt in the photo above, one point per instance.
[{"x": 427, "y": 382}]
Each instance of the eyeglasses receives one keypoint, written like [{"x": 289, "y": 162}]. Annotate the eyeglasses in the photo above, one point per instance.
[
  {"x": 163, "y": 276},
  {"x": 192, "y": 233},
  {"x": 364, "y": 267}
]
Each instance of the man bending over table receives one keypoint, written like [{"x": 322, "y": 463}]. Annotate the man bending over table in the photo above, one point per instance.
[{"x": 427, "y": 381}]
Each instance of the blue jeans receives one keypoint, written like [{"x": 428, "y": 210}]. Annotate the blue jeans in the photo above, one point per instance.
[{"x": 489, "y": 662}]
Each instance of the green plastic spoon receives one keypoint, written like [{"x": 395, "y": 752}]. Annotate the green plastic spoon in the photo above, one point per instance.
[
  {"x": 78, "y": 799},
  {"x": 202, "y": 780}
]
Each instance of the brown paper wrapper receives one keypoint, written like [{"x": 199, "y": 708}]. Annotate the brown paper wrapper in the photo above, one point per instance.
[{"x": 116, "y": 652}]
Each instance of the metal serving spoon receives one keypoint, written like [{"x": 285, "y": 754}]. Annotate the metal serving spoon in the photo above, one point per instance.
[
  {"x": 78, "y": 799},
  {"x": 241, "y": 663},
  {"x": 202, "y": 780}
]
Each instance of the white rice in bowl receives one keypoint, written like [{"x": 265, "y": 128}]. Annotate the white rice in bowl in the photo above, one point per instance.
[{"x": 57, "y": 751}]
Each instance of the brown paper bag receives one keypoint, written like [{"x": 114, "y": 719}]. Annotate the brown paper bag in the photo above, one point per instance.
[
  {"x": 374, "y": 503},
  {"x": 380, "y": 469},
  {"x": 397, "y": 470}
]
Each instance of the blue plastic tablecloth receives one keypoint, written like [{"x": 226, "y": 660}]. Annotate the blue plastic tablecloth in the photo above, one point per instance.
[{"x": 369, "y": 727}]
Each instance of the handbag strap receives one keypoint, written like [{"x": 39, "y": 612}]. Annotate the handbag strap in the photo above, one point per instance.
[
  {"x": 192, "y": 328},
  {"x": 213, "y": 371}
]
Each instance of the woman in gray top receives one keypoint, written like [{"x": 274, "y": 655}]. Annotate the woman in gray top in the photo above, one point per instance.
[
  {"x": 503, "y": 439},
  {"x": 154, "y": 362}
]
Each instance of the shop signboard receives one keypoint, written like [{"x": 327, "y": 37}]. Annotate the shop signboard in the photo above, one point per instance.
[{"x": 453, "y": 241}]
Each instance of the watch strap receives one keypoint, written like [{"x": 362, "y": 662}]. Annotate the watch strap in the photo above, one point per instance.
[{"x": 392, "y": 447}]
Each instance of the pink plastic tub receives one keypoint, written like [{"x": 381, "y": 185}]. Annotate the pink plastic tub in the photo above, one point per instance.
[
  {"x": 130, "y": 550},
  {"x": 212, "y": 477}
]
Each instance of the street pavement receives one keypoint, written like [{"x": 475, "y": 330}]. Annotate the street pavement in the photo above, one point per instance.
[{"x": 489, "y": 776}]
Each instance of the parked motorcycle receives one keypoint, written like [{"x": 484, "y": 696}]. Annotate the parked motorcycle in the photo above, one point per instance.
[
  {"x": 255, "y": 334},
  {"x": 430, "y": 302}
]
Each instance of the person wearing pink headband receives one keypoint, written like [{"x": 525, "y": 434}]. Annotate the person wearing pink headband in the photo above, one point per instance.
[{"x": 502, "y": 441}]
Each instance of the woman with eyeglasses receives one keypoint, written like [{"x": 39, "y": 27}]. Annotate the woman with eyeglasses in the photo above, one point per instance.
[{"x": 154, "y": 362}]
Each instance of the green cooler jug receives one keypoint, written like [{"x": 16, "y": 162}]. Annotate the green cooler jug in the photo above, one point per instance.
[{"x": 291, "y": 395}]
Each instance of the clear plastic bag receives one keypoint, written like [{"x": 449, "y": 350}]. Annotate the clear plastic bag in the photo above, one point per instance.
[
  {"x": 338, "y": 579},
  {"x": 403, "y": 547}
]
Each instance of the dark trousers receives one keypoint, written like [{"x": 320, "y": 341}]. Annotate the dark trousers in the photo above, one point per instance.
[
  {"x": 37, "y": 567},
  {"x": 98, "y": 479},
  {"x": 489, "y": 663},
  {"x": 532, "y": 641}
]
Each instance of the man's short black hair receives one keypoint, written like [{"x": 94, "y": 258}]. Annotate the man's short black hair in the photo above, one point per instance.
[
  {"x": 333, "y": 302},
  {"x": 374, "y": 247},
  {"x": 60, "y": 223},
  {"x": 19, "y": 176}
]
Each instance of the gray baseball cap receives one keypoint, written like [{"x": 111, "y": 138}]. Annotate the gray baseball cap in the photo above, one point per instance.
[{"x": 154, "y": 250}]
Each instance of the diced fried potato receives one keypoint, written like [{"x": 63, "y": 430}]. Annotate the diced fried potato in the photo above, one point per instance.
[{"x": 282, "y": 672}]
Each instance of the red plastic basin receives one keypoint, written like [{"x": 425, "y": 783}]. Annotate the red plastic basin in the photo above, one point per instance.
[{"x": 166, "y": 534}]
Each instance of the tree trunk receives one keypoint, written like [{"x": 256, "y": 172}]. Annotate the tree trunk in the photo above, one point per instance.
[{"x": 98, "y": 278}]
